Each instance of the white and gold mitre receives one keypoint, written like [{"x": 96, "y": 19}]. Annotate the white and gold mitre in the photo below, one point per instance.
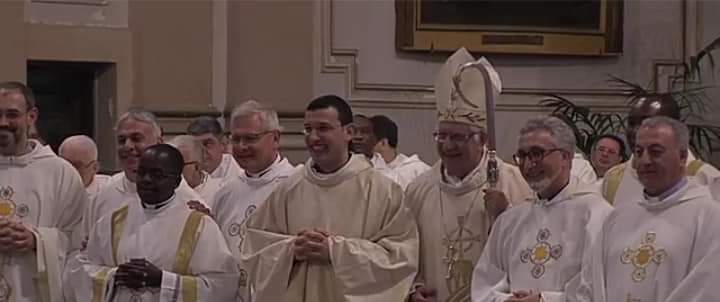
[{"x": 453, "y": 108}]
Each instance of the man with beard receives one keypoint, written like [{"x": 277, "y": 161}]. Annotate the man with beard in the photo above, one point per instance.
[
  {"x": 621, "y": 182},
  {"x": 157, "y": 249},
  {"x": 663, "y": 245},
  {"x": 81, "y": 152},
  {"x": 452, "y": 203},
  {"x": 255, "y": 137},
  {"x": 535, "y": 250},
  {"x": 219, "y": 164},
  {"x": 135, "y": 130},
  {"x": 335, "y": 232},
  {"x": 194, "y": 175},
  {"x": 41, "y": 201}
]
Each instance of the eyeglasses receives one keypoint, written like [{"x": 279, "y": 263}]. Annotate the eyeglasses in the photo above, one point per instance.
[
  {"x": 156, "y": 174},
  {"x": 534, "y": 155},
  {"x": 248, "y": 139},
  {"x": 456, "y": 138}
]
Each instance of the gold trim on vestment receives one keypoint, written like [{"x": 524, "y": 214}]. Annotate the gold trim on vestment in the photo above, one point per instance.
[
  {"x": 118, "y": 224},
  {"x": 694, "y": 167},
  {"x": 188, "y": 241},
  {"x": 613, "y": 178},
  {"x": 99, "y": 284},
  {"x": 189, "y": 288}
]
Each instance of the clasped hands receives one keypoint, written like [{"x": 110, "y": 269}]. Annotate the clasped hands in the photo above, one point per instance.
[
  {"x": 15, "y": 237},
  {"x": 137, "y": 274},
  {"x": 312, "y": 245}
]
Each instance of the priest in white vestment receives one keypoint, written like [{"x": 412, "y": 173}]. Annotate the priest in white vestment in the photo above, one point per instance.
[
  {"x": 662, "y": 246},
  {"x": 199, "y": 180},
  {"x": 220, "y": 165},
  {"x": 453, "y": 204},
  {"x": 255, "y": 137},
  {"x": 81, "y": 152},
  {"x": 41, "y": 201},
  {"x": 406, "y": 168},
  {"x": 335, "y": 232},
  {"x": 535, "y": 250},
  {"x": 621, "y": 183},
  {"x": 135, "y": 131},
  {"x": 363, "y": 142},
  {"x": 157, "y": 249}
]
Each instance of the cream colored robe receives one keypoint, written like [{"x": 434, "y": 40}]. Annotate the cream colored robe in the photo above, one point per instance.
[
  {"x": 438, "y": 207},
  {"x": 46, "y": 194},
  {"x": 583, "y": 170},
  {"x": 208, "y": 188},
  {"x": 540, "y": 245},
  {"x": 120, "y": 191},
  {"x": 373, "y": 242},
  {"x": 402, "y": 169},
  {"x": 98, "y": 183},
  {"x": 207, "y": 272},
  {"x": 227, "y": 170},
  {"x": 656, "y": 250},
  {"x": 630, "y": 189},
  {"x": 239, "y": 198}
]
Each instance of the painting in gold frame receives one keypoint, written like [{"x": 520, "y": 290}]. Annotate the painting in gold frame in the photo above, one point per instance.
[{"x": 559, "y": 27}]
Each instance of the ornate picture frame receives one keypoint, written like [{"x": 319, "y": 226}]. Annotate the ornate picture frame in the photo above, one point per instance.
[{"x": 577, "y": 27}]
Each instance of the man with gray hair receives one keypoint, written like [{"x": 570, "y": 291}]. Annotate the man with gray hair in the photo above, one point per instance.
[
  {"x": 219, "y": 164},
  {"x": 453, "y": 203},
  {"x": 255, "y": 137},
  {"x": 621, "y": 182},
  {"x": 536, "y": 249},
  {"x": 81, "y": 152},
  {"x": 193, "y": 154},
  {"x": 662, "y": 246}
]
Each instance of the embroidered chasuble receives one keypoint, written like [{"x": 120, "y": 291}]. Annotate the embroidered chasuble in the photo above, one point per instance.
[
  {"x": 621, "y": 184},
  {"x": 373, "y": 240},
  {"x": 46, "y": 194},
  {"x": 239, "y": 198},
  {"x": 454, "y": 225},
  {"x": 539, "y": 245},
  {"x": 656, "y": 250},
  {"x": 187, "y": 245}
]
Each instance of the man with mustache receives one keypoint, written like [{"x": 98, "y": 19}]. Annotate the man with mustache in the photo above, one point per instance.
[
  {"x": 535, "y": 250},
  {"x": 255, "y": 139},
  {"x": 621, "y": 182},
  {"x": 41, "y": 201},
  {"x": 219, "y": 164},
  {"x": 338, "y": 230},
  {"x": 452, "y": 203},
  {"x": 81, "y": 152},
  {"x": 157, "y": 249},
  {"x": 663, "y": 245}
]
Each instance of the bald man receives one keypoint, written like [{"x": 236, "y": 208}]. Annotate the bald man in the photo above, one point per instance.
[
  {"x": 192, "y": 151},
  {"x": 81, "y": 152},
  {"x": 157, "y": 249}
]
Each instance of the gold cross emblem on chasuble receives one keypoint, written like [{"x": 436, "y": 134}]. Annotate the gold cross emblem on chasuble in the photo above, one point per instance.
[
  {"x": 644, "y": 255},
  {"x": 541, "y": 253}
]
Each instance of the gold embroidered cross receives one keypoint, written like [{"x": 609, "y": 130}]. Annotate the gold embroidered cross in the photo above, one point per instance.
[{"x": 646, "y": 254}]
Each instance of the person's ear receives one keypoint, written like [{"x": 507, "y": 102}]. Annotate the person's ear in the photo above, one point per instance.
[{"x": 95, "y": 166}]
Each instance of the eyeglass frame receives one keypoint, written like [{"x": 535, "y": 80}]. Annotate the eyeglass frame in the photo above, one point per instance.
[
  {"x": 256, "y": 137},
  {"x": 520, "y": 159}
]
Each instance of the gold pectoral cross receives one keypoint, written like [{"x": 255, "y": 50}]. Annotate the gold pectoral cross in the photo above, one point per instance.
[{"x": 450, "y": 259}]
